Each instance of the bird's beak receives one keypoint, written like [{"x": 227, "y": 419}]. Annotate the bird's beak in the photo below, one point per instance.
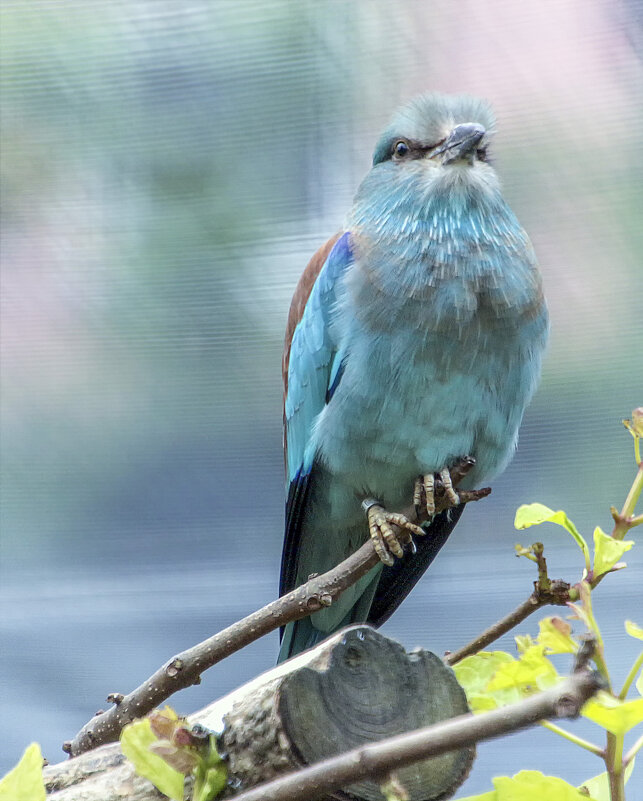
[{"x": 460, "y": 144}]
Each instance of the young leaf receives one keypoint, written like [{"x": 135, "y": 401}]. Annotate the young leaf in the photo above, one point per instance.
[
  {"x": 531, "y": 785},
  {"x": 633, "y": 629},
  {"x": 474, "y": 673},
  {"x": 616, "y": 716},
  {"x": 210, "y": 783},
  {"x": 24, "y": 782},
  {"x": 163, "y": 722},
  {"x": 533, "y": 671},
  {"x": 211, "y": 775},
  {"x": 527, "y": 551},
  {"x": 524, "y": 642},
  {"x": 494, "y": 678},
  {"x": 607, "y": 551},
  {"x": 555, "y": 635},
  {"x": 534, "y": 514},
  {"x": 136, "y": 739}
]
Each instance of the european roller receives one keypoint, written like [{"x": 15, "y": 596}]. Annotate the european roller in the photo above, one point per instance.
[{"x": 414, "y": 339}]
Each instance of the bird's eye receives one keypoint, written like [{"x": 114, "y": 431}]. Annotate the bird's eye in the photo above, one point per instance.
[
  {"x": 401, "y": 149},
  {"x": 481, "y": 153}
]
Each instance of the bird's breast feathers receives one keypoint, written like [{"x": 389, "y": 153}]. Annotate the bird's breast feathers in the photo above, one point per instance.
[{"x": 442, "y": 344}]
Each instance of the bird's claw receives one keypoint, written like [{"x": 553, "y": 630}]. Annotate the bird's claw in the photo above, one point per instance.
[
  {"x": 391, "y": 532},
  {"x": 450, "y": 494},
  {"x": 424, "y": 485},
  {"x": 433, "y": 493},
  {"x": 434, "y": 486}
]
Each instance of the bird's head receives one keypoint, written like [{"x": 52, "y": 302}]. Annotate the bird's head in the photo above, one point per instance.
[
  {"x": 431, "y": 162},
  {"x": 432, "y": 198},
  {"x": 436, "y": 131}
]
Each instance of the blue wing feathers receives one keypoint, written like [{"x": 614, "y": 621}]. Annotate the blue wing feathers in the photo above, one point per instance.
[
  {"x": 314, "y": 373},
  {"x": 295, "y": 505},
  {"x": 336, "y": 373},
  {"x": 310, "y": 371}
]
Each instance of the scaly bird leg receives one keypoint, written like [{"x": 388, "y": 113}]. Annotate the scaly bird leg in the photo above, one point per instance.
[
  {"x": 431, "y": 485},
  {"x": 389, "y": 531},
  {"x": 425, "y": 484},
  {"x": 451, "y": 494},
  {"x": 433, "y": 493}
]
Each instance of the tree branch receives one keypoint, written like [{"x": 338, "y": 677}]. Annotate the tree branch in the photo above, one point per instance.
[
  {"x": 184, "y": 669},
  {"x": 557, "y": 594},
  {"x": 379, "y": 759}
]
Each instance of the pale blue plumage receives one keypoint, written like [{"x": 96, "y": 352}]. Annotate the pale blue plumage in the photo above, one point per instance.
[
  {"x": 314, "y": 361},
  {"x": 420, "y": 343}
]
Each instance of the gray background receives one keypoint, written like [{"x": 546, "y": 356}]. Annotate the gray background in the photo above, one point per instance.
[{"x": 168, "y": 168}]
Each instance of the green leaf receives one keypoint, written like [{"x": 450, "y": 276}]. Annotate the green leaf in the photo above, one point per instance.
[
  {"x": 534, "y": 514},
  {"x": 531, "y": 785},
  {"x": 599, "y": 787},
  {"x": 633, "y": 629},
  {"x": 136, "y": 739},
  {"x": 616, "y": 716},
  {"x": 639, "y": 683},
  {"x": 211, "y": 775},
  {"x": 635, "y": 425},
  {"x": 210, "y": 784},
  {"x": 533, "y": 671},
  {"x": 474, "y": 673},
  {"x": 24, "y": 782},
  {"x": 555, "y": 635},
  {"x": 607, "y": 551},
  {"x": 527, "y": 551},
  {"x": 494, "y": 678},
  {"x": 523, "y": 642}
]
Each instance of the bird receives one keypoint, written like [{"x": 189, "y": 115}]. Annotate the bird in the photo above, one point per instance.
[{"x": 414, "y": 339}]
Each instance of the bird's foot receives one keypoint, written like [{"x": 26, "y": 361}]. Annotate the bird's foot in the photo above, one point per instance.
[
  {"x": 390, "y": 532},
  {"x": 435, "y": 492},
  {"x": 431, "y": 486}
]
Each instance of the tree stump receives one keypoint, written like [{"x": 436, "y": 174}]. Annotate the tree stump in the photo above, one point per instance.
[{"x": 356, "y": 687}]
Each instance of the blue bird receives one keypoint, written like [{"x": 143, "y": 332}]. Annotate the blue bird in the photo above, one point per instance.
[{"x": 414, "y": 338}]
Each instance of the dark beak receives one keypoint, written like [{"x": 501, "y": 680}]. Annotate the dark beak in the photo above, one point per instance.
[{"x": 461, "y": 143}]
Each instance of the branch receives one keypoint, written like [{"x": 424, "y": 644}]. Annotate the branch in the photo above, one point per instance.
[
  {"x": 557, "y": 594},
  {"x": 379, "y": 759},
  {"x": 185, "y": 669}
]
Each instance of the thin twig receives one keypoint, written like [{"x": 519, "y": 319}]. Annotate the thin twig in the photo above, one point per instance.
[
  {"x": 379, "y": 759},
  {"x": 558, "y": 595},
  {"x": 573, "y": 738},
  {"x": 185, "y": 669}
]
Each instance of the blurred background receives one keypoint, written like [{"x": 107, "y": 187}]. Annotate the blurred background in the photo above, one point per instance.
[{"x": 168, "y": 168}]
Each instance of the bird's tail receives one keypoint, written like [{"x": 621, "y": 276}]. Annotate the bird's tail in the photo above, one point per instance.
[
  {"x": 307, "y": 632},
  {"x": 298, "y": 637}
]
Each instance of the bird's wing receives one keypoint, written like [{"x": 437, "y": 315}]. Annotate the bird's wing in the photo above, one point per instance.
[{"x": 312, "y": 370}]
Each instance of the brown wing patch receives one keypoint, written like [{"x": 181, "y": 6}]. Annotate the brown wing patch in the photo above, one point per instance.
[{"x": 300, "y": 298}]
